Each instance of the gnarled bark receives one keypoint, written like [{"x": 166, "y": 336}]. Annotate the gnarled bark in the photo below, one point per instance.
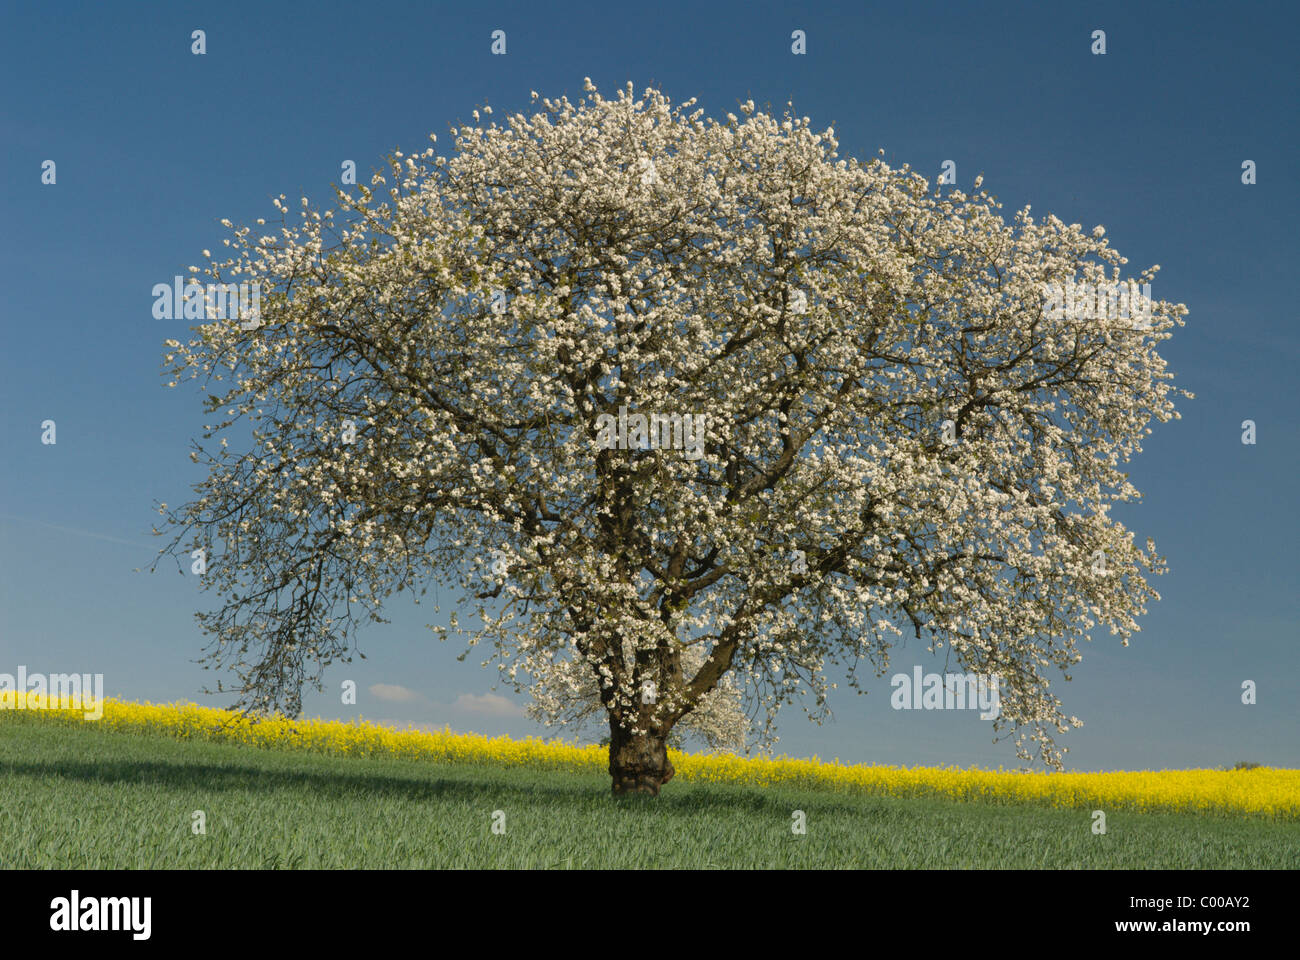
[{"x": 638, "y": 762}]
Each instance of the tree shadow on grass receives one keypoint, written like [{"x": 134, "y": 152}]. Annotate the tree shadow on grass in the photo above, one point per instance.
[
  {"x": 485, "y": 784},
  {"x": 342, "y": 785}
]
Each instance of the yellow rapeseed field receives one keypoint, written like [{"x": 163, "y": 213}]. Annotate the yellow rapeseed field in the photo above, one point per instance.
[{"x": 1262, "y": 791}]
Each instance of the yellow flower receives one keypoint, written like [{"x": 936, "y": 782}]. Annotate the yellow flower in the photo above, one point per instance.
[{"x": 1261, "y": 791}]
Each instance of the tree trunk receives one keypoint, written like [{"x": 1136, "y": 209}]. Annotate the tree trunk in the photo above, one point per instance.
[{"x": 638, "y": 763}]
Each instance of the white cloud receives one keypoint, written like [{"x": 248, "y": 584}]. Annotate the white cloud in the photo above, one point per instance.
[
  {"x": 393, "y": 693},
  {"x": 487, "y": 705}
]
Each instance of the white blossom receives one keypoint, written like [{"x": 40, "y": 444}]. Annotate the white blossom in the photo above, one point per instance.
[{"x": 475, "y": 429}]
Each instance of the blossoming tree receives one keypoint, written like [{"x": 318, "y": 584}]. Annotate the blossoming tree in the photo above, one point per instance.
[{"x": 896, "y": 434}]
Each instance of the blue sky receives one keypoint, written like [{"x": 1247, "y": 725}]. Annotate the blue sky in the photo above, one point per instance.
[{"x": 154, "y": 145}]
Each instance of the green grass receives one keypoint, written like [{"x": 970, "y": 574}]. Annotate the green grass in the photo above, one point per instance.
[{"x": 80, "y": 797}]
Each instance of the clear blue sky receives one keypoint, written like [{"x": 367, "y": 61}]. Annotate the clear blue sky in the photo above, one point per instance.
[{"x": 154, "y": 145}]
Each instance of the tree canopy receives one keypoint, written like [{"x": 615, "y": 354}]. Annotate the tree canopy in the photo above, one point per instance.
[{"x": 894, "y": 434}]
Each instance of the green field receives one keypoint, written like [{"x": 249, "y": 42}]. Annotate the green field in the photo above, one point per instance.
[{"x": 81, "y": 797}]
